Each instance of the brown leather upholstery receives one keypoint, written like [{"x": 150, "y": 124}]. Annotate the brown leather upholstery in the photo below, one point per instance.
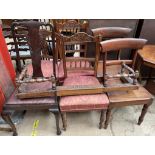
[{"x": 43, "y": 103}]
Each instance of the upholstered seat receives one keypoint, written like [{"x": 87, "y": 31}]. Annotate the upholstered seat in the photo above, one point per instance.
[
  {"x": 46, "y": 66},
  {"x": 83, "y": 102},
  {"x": 24, "y": 104},
  {"x": 76, "y": 71},
  {"x": 30, "y": 87}
]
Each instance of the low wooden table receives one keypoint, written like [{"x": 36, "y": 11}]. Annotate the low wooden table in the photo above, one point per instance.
[{"x": 147, "y": 57}]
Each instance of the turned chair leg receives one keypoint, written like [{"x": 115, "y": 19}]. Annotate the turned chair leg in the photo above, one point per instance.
[
  {"x": 7, "y": 119},
  {"x": 101, "y": 119},
  {"x": 108, "y": 113},
  {"x": 57, "y": 118},
  {"x": 144, "y": 111},
  {"x": 64, "y": 120}
]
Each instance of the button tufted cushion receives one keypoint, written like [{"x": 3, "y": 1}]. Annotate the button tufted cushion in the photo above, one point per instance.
[
  {"x": 76, "y": 72},
  {"x": 83, "y": 102}
]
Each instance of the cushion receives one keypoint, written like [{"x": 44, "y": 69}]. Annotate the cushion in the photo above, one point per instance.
[
  {"x": 76, "y": 72},
  {"x": 46, "y": 66},
  {"x": 83, "y": 102},
  {"x": 14, "y": 102},
  {"x": 36, "y": 86}
]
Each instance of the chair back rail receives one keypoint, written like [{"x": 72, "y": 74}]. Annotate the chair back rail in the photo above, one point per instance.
[
  {"x": 106, "y": 33},
  {"x": 119, "y": 44}
]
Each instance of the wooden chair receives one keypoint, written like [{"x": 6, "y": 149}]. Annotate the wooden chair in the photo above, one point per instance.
[
  {"x": 23, "y": 52},
  {"x": 84, "y": 100},
  {"x": 68, "y": 28},
  {"x": 107, "y": 33},
  {"x": 29, "y": 94},
  {"x": 124, "y": 98}
]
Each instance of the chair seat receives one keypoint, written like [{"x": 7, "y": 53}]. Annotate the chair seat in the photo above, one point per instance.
[
  {"x": 31, "y": 87},
  {"x": 112, "y": 69},
  {"x": 42, "y": 103},
  {"x": 135, "y": 97},
  {"x": 46, "y": 66},
  {"x": 83, "y": 102},
  {"x": 76, "y": 72}
]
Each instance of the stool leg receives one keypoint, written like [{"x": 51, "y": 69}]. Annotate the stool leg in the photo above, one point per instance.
[
  {"x": 144, "y": 111},
  {"x": 7, "y": 119},
  {"x": 101, "y": 119},
  {"x": 108, "y": 113},
  {"x": 64, "y": 120}
]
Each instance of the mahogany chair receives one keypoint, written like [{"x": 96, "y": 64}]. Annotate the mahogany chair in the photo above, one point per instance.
[
  {"x": 107, "y": 33},
  {"x": 84, "y": 100},
  {"x": 68, "y": 28},
  {"x": 119, "y": 98},
  {"x": 32, "y": 87}
]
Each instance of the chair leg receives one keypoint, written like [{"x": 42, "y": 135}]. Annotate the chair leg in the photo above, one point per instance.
[
  {"x": 101, "y": 119},
  {"x": 108, "y": 113},
  {"x": 64, "y": 120},
  {"x": 144, "y": 111},
  {"x": 7, "y": 119},
  {"x": 57, "y": 118}
]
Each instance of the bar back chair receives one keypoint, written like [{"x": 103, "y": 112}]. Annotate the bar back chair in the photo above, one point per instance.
[
  {"x": 83, "y": 100},
  {"x": 35, "y": 91},
  {"x": 119, "y": 98},
  {"x": 107, "y": 33},
  {"x": 76, "y": 66}
]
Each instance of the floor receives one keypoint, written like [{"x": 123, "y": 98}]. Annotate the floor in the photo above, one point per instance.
[{"x": 123, "y": 123}]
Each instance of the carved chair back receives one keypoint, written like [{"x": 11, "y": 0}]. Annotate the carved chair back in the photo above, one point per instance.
[
  {"x": 36, "y": 39},
  {"x": 78, "y": 63},
  {"x": 120, "y": 44},
  {"x": 20, "y": 37},
  {"x": 68, "y": 28}
]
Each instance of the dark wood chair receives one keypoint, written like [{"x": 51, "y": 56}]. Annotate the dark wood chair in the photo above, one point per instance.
[
  {"x": 29, "y": 94},
  {"x": 68, "y": 28},
  {"x": 119, "y": 98},
  {"x": 23, "y": 52},
  {"x": 107, "y": 33},
  {"x": 85, "y": 99}
]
